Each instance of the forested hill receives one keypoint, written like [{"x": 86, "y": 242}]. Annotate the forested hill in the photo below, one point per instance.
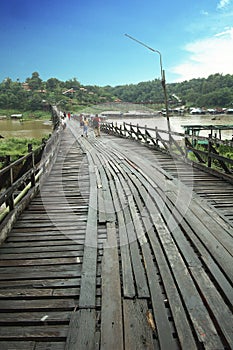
[
  {"x": 216, "y": 90},
  {"x": 34, "y": 93}
]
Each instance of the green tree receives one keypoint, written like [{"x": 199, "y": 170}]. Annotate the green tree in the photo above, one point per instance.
[
  {"x": 35, "y": 102},
  {"x": 53, "y": 84},
  {"x": 35, "y": 82}
]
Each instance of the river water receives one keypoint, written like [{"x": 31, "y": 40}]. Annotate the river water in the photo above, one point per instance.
[
  {"x": 29, "y": 129},
  {"x": 177, "y": 122},
  {"x": 41, "y": 128}
]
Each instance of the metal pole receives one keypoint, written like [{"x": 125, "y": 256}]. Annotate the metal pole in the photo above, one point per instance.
[{"x": 163, "y": 80}]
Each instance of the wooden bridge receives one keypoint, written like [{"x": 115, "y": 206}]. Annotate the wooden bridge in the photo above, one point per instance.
[{"x": 123, "y": 247}]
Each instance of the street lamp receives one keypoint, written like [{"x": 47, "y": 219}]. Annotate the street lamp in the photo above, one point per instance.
[{"x": 163, "y": 81}]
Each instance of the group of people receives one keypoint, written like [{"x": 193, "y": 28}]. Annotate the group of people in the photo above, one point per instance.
[
  {"x": 95, "y": 123},
  {"x": 84, "y": 123}
]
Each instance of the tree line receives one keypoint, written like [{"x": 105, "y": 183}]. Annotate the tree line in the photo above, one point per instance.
[{"x": 36, "y": 94}]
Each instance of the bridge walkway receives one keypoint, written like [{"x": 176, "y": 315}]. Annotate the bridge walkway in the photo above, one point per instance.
[{"x": 123, "y": 248}]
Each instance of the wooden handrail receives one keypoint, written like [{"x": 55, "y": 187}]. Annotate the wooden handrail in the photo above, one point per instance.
[
  {"x": 14, "y": 186},
  {"x": 170, "y": 142}
]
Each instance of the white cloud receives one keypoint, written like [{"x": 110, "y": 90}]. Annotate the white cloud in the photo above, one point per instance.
[
  {"x": 223, "y": 3},
  {"x": 225, "y": 32},
  {"x": 207, "y": 56},
  {"x": 204, "y": 13}
]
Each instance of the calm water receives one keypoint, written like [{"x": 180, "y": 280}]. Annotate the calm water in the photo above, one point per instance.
[
  {"x": 176, "y": 122},
  {"x": 31, "y": 129}
]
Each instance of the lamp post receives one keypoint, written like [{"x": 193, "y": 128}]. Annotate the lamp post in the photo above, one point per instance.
[{"x": 163, "y": 81}]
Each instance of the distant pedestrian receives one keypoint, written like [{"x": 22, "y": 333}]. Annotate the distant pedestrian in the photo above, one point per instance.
[
  {"x": 81, "y": 120},
  {"x": 68, "y": 115},
  {"x": 63, "y": 123},
  {"x": 85, "y": 127},
  {"x": 96, "y": 125}
]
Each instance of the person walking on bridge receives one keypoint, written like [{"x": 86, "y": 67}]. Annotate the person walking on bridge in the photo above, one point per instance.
[
  {"x": 96, "y": 125},
  {"x": 85, "y": 127}
]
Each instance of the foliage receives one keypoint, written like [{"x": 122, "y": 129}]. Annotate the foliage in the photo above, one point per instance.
[
  {"x": 17, "y": 146},
  {"x": 226, "y": 151},
  {"x": 36, "y": 94},
  {"x": 27, "y": 115},
  {"x": 223, "y": 150}
]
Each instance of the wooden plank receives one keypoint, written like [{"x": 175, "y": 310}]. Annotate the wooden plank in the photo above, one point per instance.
[
  {"x": 139, "y": 328},
  {"x": 126, "y": 263},
  {"x": 111, "y": 310},
  {"x": 57, "y": 333},
  {"x": 127, "y": 273},
  {"x": 48, "y": 237},
  {"x": 38, "y": 274},
  {"x": 208, "y": 334},
  {"x": 205, "y": 255},
  {"x": 21, "y": 293},
  {"x": 50, "y": 346},
  {"x": 41, "y": 250},
  {"x": 209, "y": 262},
  {"x": 101, "y": 207},
  {"x": 102, "y": 164},
  {"x": 28, "y": 269},
  {"x": 16, "y": 345},
  {"x": 220, "y": 253},
  {"x": 41, "y": 244},
  {"x": 34, "y": 318},
  {"x": 43, "y": 304},
  {"x": 55, "y": 254},
  {"x": 162, "y": 323},
  {"x": 89, "y": 267},
  {"x": 199, "y": 315},
  {"x": 162, "y": 163},
  {"x": 43, "y": 224},
  {"x": 100, "y": 191},
  {"x": 41, "y": 283},
  {"x": 40, "y": 262},
  {"x": 49, "y": 230},
  {"x": 81, "y": 333},
  {"x": 171, "y": 295},
  {"x": 138, "y": 268},
  {"x": 26, "y": 292},
  {"x": 222, "y": 314},
  {"x": 223, "y": 236}
]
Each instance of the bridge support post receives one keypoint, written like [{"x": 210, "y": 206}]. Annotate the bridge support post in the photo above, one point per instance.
[
  {"x": 209, "y": 150},
  {"x": 156, "y": 137},
  {"x": 33, "y": 181},
  {"x": 125, "y": 130}
]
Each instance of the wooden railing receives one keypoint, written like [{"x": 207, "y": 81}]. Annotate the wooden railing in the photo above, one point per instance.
[
  {"x": 179, "y": 145},
  {"x": 19, "y": 181}
]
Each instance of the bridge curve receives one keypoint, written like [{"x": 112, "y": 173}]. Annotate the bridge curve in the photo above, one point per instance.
[{"x": 120, "y": 249}]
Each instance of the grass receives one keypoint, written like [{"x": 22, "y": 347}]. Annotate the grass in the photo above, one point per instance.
[{"x": 17, "y": 147}]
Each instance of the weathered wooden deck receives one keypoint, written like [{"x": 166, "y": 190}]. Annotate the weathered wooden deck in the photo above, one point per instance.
[{"x": 123, "y": 248}]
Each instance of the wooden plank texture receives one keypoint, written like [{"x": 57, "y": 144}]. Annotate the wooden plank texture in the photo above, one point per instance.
[
  {"x": 111, "y": 320},
  {"x": 123, "y": 248}
]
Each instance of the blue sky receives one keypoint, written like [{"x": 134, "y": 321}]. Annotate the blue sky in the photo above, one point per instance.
[{"x": 85, "y": 39}]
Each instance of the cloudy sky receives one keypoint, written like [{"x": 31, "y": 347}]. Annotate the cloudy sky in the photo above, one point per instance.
[{"x": 85, "y": 39}]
